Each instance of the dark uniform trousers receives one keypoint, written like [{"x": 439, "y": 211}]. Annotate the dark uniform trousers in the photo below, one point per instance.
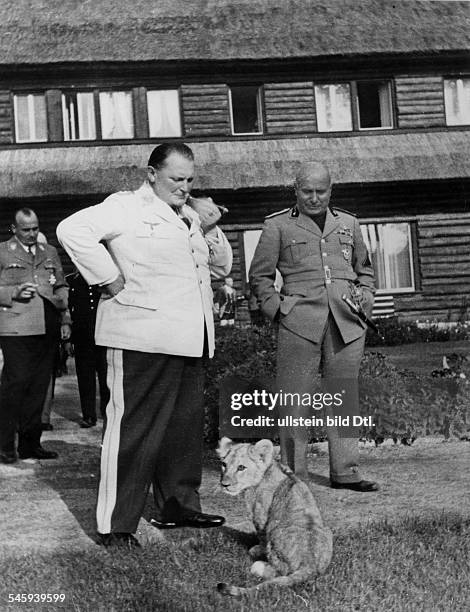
[
  {"x": 154, "y": 435},
  {"x": 28, "y": 365},
  {"x": 298, "y": 362},
  {"x": 90, "y": 362}
]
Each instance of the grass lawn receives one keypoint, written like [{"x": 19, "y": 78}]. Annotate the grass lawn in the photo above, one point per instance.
[{"x": 413, "y": 564}]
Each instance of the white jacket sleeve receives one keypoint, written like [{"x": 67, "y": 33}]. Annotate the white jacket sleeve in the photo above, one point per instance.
[{"x": 81, "y": 235}]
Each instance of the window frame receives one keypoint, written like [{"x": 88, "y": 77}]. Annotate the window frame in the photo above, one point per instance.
[
  {"x": 259, "y": 108},
  {"x": 16, "y": 94},
  {"x": 354, "y": 104},
  {"x": 453, "y": 78},
  {"x": 356, "y": 107},
  {"x": 412, "y": 250},
  {"x": 64, "y": 91},
  {"x": 103, "y": 90},
  {"x": 180, "y": 110}
]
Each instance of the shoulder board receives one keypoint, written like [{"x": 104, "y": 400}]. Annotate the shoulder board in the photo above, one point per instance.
[
  {"x": 341, "y": 210},
  {"x": 279, "y": 212}
]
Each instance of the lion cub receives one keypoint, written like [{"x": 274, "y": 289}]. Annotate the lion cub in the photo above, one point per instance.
[{"x": 293, "y": 538}]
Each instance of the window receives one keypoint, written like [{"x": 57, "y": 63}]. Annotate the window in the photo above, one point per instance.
[
  {"x": 389, "y": 245},
  {"x": 30, "y": 117},
  {"x": 457, "y": 101},
  {"x": 250, "y": 242},
  {"x": 245, "y": 109},
  {"x": 117, "y": 119},
  {"x": 374, "y": 105},
  {"x": 164, "y": 113},
  {"x": 333, "y": 103},
  {"x": 78, "y": 114}
]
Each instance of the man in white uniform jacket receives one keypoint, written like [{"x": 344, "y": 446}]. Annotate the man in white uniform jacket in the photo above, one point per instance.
[{"x": 156, "y": 320}]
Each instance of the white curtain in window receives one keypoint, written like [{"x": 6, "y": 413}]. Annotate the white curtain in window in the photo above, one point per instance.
[
  {"x": 333, "y": 105},
  {"x": 86, "y": 116},
  {"x": 457, "y": 101},
  {"x": 30, "y": 118},
  {"x": 116, "y": 114},
  {"x": 385, "y": 105},
  {"x": 164, "y": 113},
  {"x": 390, "y": 247}
]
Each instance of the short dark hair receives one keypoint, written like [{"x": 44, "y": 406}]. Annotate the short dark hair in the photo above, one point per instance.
[
  {"x": 160, "y": 154},
  {"x": 27, "y": 212}
]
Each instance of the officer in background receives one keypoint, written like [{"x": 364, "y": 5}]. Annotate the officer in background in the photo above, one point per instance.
[
  {"x": 321, "y": 256},
  {"x": 33, "y": 302},
  {"x": 90, "y": 359}
]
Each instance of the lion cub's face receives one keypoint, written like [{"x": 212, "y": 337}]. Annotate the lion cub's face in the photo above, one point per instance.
[{"x": 243, "y": 465}]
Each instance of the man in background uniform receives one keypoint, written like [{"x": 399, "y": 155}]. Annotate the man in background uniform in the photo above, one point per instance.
[
  {"x": 90, "y": 359},
  {"x": 321, "y": 256},
  {"x": 33, "y": 301}
]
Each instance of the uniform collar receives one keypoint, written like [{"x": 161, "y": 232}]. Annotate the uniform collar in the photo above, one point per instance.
[
  {"x": 305, "y": 222},
  {"x": 154, "y": 209}
]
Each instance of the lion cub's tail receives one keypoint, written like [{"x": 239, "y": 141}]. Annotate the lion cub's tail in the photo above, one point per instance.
[{"x": 297, "y": 577}]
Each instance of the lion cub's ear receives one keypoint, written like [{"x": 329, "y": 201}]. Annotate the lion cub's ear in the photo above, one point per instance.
[
  {"x": 225, "y": 444},
  {"x": 265, "y": 450}
]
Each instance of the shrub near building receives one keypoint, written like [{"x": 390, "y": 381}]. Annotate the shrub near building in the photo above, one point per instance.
[{"x": 404, "y": 405}]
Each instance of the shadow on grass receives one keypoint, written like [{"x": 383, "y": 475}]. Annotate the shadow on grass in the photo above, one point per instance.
[{"x": 75, "y": 476}]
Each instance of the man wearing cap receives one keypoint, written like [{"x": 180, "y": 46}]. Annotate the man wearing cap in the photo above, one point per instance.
[
  {"x": 33, "y": 303},
  {"x": 322, "y": 257}
]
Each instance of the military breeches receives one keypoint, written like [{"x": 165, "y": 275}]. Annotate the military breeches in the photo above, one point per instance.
[{"x": 300, "y": 363}]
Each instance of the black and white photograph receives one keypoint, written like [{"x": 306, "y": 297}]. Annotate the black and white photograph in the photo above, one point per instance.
[{"x": 235, "y": 305}]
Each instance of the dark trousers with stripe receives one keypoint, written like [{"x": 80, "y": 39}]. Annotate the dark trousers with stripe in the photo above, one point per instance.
[{"x": 154, "y": 435}]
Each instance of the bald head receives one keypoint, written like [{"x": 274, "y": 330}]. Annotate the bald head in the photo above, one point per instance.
[
  {"x": 26, "y": 226},
  {"x": 312, "y": 169},
  {"x": 313, "y": 188}
]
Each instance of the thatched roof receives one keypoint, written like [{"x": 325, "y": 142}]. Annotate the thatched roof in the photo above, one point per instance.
[
  {"x": 32, "y": 172},
  {"x": 50, "y": 31}
]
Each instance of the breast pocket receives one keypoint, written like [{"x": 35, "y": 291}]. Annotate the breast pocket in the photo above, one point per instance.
[
  {"x": 295, "y": 251},
  {"x": 153, "y": 241},
  {"x": 15, "y": 273},
  {"x": 347, "y": 247}
]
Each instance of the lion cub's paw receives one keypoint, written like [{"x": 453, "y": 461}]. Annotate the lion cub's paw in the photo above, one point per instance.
[{"x": 262, "y": 570}]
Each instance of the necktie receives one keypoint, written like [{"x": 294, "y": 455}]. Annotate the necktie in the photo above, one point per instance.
[{"x": 185, "y": 220}]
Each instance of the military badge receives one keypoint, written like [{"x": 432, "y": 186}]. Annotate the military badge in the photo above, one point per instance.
[
  {"x": 346, "y": 253},
  {"x": 52, "y": 279}
]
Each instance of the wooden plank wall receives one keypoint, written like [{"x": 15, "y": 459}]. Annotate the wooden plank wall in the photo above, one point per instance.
[
  {"x": 290, "y": 108},
  {"x": 444, "y": 260},
  {"x": 205, "y": 110},
  {"x": 420, "y": 101},
  {"x": 6, "y": 117}
]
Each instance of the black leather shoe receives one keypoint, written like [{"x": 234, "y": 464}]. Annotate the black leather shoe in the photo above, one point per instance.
[
  {"x": 47, "y": 427},
  {"x": 123, "y": 540},
  {"x": 363, "y": 486},
  {"x": 7, "y": 458},
  {"x": 190, "y": 518},
  {"x": 88, "y": 422},
  {"x": 38, "y": 452}
]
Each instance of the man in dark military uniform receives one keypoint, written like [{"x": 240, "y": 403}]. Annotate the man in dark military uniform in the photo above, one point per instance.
[
  {"x": 33, "y": 302},
  {"x": 321, "y": 256},
  {"x": 90, "y": 360}
]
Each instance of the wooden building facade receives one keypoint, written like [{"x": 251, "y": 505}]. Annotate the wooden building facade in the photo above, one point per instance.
[{"x": 380, "y": 94}]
